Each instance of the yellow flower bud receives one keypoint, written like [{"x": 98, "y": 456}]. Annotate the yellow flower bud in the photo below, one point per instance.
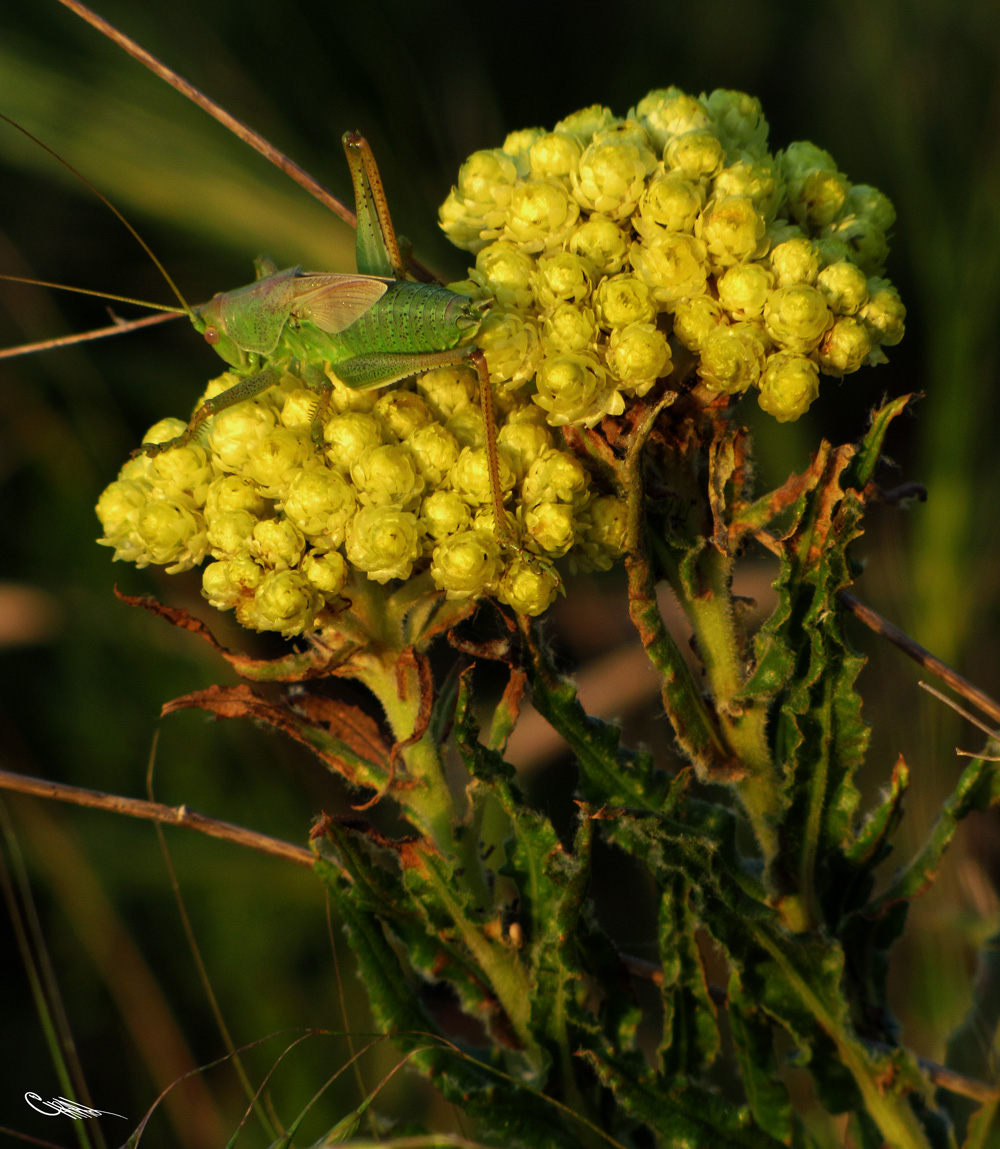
[
  {"x": 695, "y": 319},
  {"x": 541, "y": 215},
  {"x": 285, "y": 601},
  {"x": 884, "y": 313},
  {"x": 563, "y": 278},
  {"x": 638, "y": 355},
  {"x": 739, "y": 120},
  {"x": 348, "y": 437},
  {"x": 230, "y": 532},
  {"x": 601, "y": 241},
  {"x": 845, "y": 347},
  {"x": 466, "y": 564},
  {"x": 744, "y": 288},
  {"x": 611, "y": 178},
  {"x": 383, "y": 542},
  {"x": 388, "y": 476},
  {"x": 444, "y": 513},
  {"x": 623, "y": 299},
  {"x": 573, "y": 387},
  {"x": 732, "y": 229},
  {"x": 568, "y": 327},
  {"x": 584, "y": 123},
  {"x": 506, "y": 270},
  {"x": 732, "y": 358},
  {"x": 670, "y": 201},
  {"x": 528, "y": 587},
  {"x": 277, "y": 544},
  {"x": 669, "y": 112},
  {"x": 447, "y": 390},
  {"x": 794, "y": 260},
  {"x": 509, "y": 340},
  {"x": 696, "y": 155},
  {"x": 674, "y": 266},
  {"x": 845, "y": 287},
  {"x": 788, "y": 386},
  {"x": 327, "y": 572},
  {"x": 320, "y": 503},
  {"x": 797, "y": 317},
  {"x": 554, "y": 155}
]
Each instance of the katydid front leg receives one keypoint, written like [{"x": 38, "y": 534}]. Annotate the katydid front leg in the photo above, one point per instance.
[{"x": 248, "y": 388}]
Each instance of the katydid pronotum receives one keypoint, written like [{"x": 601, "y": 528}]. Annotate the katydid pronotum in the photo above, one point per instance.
[{"x": 372, "y": 328}]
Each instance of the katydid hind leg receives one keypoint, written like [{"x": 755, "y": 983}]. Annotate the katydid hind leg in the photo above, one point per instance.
[
  {"x": 377, "y": 251},
  {"x": 248, "y": 388},
  {"x": 364, "y": 372}
]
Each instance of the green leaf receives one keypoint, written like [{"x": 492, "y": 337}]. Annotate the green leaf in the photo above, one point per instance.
[
  {"x": 682, "y": 1114},
  {"x": 753, "y": 1040}
]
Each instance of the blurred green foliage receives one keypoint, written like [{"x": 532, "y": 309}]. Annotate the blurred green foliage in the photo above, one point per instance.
[{"x": 906, "y": 94}]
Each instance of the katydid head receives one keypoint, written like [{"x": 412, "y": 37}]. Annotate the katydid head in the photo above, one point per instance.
[{"x": 209, "y": 321}]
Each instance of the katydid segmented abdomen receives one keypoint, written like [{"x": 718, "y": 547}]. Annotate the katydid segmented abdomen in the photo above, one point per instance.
[{"x": 411, "y": 317}]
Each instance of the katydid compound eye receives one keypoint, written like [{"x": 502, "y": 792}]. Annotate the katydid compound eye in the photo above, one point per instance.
[{"x": 211, "y": 335}]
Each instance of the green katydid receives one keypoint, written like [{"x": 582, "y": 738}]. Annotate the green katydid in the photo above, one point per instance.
[{"x": 373, "y": 328}]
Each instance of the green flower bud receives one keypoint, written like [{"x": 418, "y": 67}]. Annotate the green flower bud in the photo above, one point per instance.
[
  {"x": 541, "y": 215},
  {"x": 350, "y": 436},
  {"x": 744, "y": 288},
  {"x": 830, "y": 250},
  {"x": 388, "y": 476},
  {"x": 236, "y": 430},
  {"x": 670, "y": 202},
  {"x": 817, "y": 196},
  {"x": 623, "y": 299},
  {"x": 739, "y": 120},
  {"x": 447, "y": 390},
  {"x": 275, "y": 460},
  {"x": 638, "y": 355},
  {"x": 845, "y": 287},
  {"x": 383, "y": 542},
  {"x": 285, "y": 601},
  {"x": 884, "y": 313},
  {"x": 695, "y": 319},
  {"x": 510, "y": 343},
  {"x": 602, "y": 242},
  {"x": 778, "y": 230},
  {"x": 555, "y": 476},
  {"x": 788, "y": 386},
  {"x": 401, "y": 414},
  {"x": 563, "y": 278},
  {"x": 554, "y": 155},
  {"x": 733, "y": 230},
  {"x": 550, "y": 528},
  {"x": 845, "y": 347},
  {"x": 865, "y": 240},
  {"x": 610, "y": 178},
  {"x": 528, "y": 588},
  {"x": 669, "y": 112},
  {"x": 674, "y": 266},
  {"x": 299, "y": 407},
  {"x": 794, "y": 260},
  {"x": 523, "y": 440},
  {"x": 506, "y": 271},
  {"x": 802, "y": 157},
  {"x": 435, "y": 450},
  {"x": 574, "y": 388},
  {"x": 872, "y": 205},
  {"x": 327, "y": 572},
  {"x": 320, "y": 503},
  {"x": 118, "y": 509},
  {"x": 760, "y": 180},
  {"x": 732, "y": 358},
  {"x": 628, "y": 131},
  {"x": 796, "y": 317},
  {"x": 170, "y": 531},
  {"x": 584, "y": 123},
  {"x": 569, "y": 327},
  {"x": 470, "y": 476},
  {"x": 277, "y": 543},
  {"x": 444, "y": 513},
  {"x": 696, "y": 155},
  {"x": 466, "y": 564},
  {"x": 518, "y": 144},
  {"x": 230, "y": 532}
]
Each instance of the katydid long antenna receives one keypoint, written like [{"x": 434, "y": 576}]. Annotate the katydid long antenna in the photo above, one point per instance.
[
  {"x": 237, "y": 127},
  {"x": 185, "y": 307}
]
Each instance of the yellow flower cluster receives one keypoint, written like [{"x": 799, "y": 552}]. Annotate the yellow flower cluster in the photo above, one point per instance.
[
  {"x": 609, "y": 244},
  {"x": 399, "y": 486}
]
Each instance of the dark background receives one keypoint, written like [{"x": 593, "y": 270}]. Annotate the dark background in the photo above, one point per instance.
[{"x": 904, "y": 94}]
